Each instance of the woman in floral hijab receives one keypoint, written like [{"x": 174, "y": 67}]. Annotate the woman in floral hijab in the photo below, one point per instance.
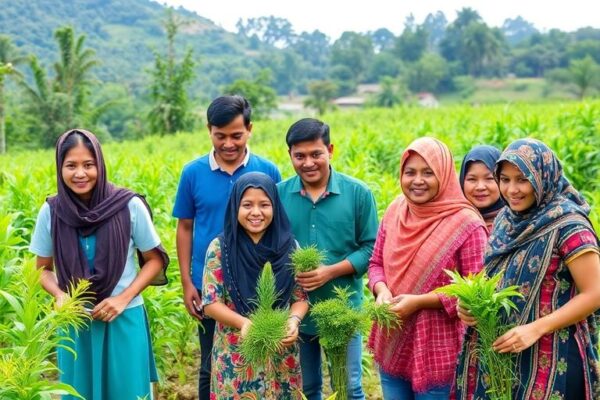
[{"x": 544, "y": 243}]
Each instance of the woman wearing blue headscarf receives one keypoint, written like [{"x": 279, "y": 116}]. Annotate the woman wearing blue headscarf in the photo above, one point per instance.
[
  {"x": 543, "y": 242},
  {"x": 256, "y": 231},
  {"x": 478, "y": 183}
]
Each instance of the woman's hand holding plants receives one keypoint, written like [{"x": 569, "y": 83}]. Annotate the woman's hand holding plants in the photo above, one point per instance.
[
  {"x": 60, "y": 298},
  {"x": 110, "y": 308},
  {"x": 384, "y": 295},
  {"x": 291, "y": 335},
  {"x": 518, "y": 339},
  {"x": 405, "y": 305},
  {"x": 465, "y": 315},
  {"x": 245, "y": 327}
]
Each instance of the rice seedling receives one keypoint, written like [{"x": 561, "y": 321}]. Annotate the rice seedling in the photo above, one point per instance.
[
  {"x": 383, "y": 316},
  {"x": 307, "y": 259},
  {"x": 337, "y": 322},
  {"x": 262, "y": 344},
  {"x": 490, "y": 306}
]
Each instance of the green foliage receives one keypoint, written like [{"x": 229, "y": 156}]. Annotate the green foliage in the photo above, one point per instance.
[
  {"x": 307, "y": 259},
  {"x": 171, "y": 109},
  {"x": 261, "y": 96},
  {"x": 31, "y": 330},
  {"x": 481, "y": 296},
  {"x": 320, "y": 94},
  {"x": 262, "y": 344},
  {"x": 337, "y": 322},
  {"x": 383, "y": 316},
  {"x": 585, "y": 74}
]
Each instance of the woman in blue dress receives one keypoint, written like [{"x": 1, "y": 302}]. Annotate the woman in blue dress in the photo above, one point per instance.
[{"x": 91, "y": 230}]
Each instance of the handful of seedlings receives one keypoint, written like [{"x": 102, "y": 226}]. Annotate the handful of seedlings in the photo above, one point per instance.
[
  {"x": 262, "y": 344},
  {"x": 383, "y": 316},
  {"x": 482, "y": 297},
  {"x": 337, "y": 323},
  {"x": 307, "y": 259}
]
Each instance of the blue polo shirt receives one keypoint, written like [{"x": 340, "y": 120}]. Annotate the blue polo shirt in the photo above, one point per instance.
[{"x": 203, "y": 194}]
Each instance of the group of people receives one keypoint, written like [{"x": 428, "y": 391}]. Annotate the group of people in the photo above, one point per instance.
[{"x": 512, "y": 212}]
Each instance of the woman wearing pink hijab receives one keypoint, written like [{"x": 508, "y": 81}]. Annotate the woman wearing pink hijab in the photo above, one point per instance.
[{"x": 429, "y": 228}]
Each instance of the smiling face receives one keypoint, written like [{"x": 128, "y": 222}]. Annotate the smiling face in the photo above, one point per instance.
[
  {"x": 480, "y": 187},
  {"x": 230, "y": 141},
  {"x": 311, "y": 162},
  {"x": 255, "y": 213},
  {"x": 516, "y": 188},
  {"x": 419, "y": 183},
  {"x": 79, "y": 171}
]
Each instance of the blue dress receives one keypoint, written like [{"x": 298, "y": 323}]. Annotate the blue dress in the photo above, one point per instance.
[{"x": 113, "y": 360}]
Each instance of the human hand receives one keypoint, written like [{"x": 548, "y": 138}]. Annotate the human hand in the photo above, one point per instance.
[
  {"x": 465, "y": 315},
  {"x": 191, "y": 299},
  {"x": 60, "y": 299},
  {"x": 383, "y": 296},
  {"x": 291, "y": 335},
  {"x": 314, "y": 279},
  {"x": 405, "y": 305},
  {"x": 110, "y": 308},
  {"x": 517, "y": 339},
  {"x": 245, "y": 328}
]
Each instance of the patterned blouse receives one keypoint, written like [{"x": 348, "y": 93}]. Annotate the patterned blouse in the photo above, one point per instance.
[{"x": 231, "y": 377}]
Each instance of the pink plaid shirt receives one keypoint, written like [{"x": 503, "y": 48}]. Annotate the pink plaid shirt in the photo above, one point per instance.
[{"x": 430, "y": 340}]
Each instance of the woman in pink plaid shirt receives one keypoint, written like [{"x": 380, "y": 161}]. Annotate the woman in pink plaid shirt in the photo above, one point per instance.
[{"x": 429, "y": 228}]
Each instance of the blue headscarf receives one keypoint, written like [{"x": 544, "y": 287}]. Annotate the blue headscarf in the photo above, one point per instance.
[
  {"x": 554, "y": 197},
  {"x": 243, "y": 260},
  {"x": 487, "y": 155}
]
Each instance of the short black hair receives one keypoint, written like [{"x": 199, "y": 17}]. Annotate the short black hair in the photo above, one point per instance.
[
  {"x": 225, "y": 109},
  {"x": 307, "y": 129}
]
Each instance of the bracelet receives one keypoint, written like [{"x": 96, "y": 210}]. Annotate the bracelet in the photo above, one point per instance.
[{"x": 297, "y": 318}]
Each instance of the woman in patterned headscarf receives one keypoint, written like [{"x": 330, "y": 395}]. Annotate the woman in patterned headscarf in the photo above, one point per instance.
[{"x": 544, "y": 243}]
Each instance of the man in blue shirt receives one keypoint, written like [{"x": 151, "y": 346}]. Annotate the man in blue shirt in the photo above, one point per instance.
[{"x": 202, "y": 195}]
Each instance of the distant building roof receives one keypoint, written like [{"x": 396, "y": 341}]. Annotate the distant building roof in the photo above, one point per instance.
[{"x": 349, "y": 102}]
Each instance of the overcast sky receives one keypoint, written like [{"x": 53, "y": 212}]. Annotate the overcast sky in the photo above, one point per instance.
[{"x": 335, "y": 16}]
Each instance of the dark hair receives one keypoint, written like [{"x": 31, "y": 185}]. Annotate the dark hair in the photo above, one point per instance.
[
  {"x": 307, "y": 129},
  {"x": 74, "y": 140},
  {"x": 225, "y": 109}
]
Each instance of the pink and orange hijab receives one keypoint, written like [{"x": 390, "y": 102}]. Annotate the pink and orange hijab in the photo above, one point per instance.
[{"x": 421, "y": 237}]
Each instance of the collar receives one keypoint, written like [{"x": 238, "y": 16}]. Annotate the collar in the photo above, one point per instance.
[
  {"x": 212, "y": 161},
  {"x": 333, "y": 186}
]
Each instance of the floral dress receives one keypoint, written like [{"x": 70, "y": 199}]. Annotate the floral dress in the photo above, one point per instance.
[{"x": 231, "y": 377}]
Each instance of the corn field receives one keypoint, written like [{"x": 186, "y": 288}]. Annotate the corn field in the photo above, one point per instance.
[{"x": 368, "y": 145}]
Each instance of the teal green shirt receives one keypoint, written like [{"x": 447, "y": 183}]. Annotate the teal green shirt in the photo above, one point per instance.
[{"x": 342, "y": 222}]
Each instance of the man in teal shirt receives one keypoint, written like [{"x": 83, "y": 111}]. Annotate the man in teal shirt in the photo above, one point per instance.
[{"x": 337, "y": 213}]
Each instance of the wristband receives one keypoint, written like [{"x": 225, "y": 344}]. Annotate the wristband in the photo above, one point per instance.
[{"x": 297, "y": 318}]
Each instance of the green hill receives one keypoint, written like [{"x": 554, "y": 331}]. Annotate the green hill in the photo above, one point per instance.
[{"x": 124, "y": 34}]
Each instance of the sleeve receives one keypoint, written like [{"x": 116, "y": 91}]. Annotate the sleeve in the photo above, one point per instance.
[
  {"x": 575, "y": 241},
  {"x": 470, "y": 261},
  {"x": 41, "y": 239},
  {"x": 213, "y": 290},
  {"x": 376, "y": 273},
  {"x": 299, "y": 294},
  {"x": 142, "y": 229},
  {"x": 184, "y": 200},
  {"x": 367, "y": 232}
]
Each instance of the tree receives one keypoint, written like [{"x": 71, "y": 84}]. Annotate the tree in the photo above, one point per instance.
[
  {"x": 383, "y": 39},
  {"x": 259, "y": 94},
  {"x": 435, "y": 26},
  {"x": 73, "y": 70},
  {"x": 480, "y": 47},
  {"x": 412, "y": 43},
  {"x": 392, "y": 93},
  {"x": 585, "y": 73},
  {"x": 426, "y": 74},
  {"x": 517, "y": 30},
  {"x": 60, "y": 104},
  {"x": 353, "y": 51},
  {"x": 171, "y": 110},
  {"x": 320, "y": 95},
  {"x": 8, "y": 59},
  {"x": 270, "y": 30}
]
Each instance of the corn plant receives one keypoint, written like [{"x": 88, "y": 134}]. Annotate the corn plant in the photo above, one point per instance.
[
  {"x": 486, "y": 302},
  {"x": 337, "y": 323},
  {"x": 38, "y": 328}
]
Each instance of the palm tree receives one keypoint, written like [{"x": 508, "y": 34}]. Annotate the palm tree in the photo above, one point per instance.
[
  {"x": 320, "y": 95},
  {"x": 8, "y": 59},
  {"x": 73, "y": 69}
]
